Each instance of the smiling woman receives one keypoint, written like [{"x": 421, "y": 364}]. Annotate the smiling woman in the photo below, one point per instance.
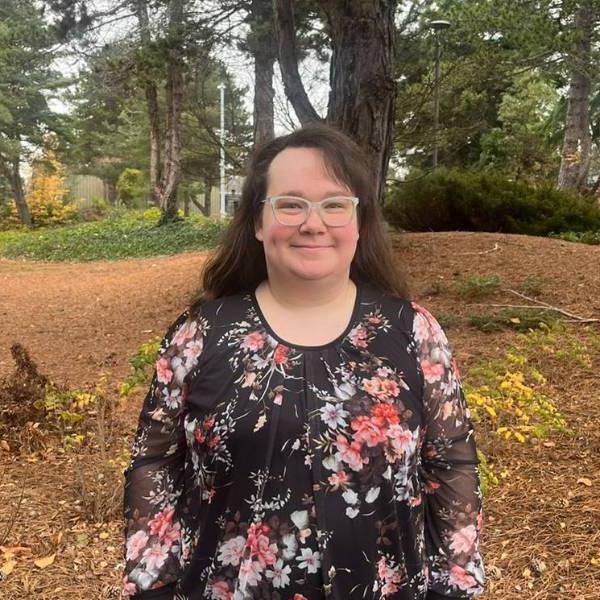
[{"x": 305, "y": 435}]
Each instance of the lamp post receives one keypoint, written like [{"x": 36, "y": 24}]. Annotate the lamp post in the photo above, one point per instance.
[
  {"x": 221, "y": 86},
  {"x": 438, "y": 26}
]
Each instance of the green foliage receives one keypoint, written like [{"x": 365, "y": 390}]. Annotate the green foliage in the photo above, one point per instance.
[
  {"x": 447, "y": 200},
  {"x": 131, "y": 188},
  {"x": 142, "y": 366},
  {"x": 477, "y": 286},
  {"x": 583, "y": 237},
  {"x": 129, "y": 234},
  {"x": 515, "y": 319}
]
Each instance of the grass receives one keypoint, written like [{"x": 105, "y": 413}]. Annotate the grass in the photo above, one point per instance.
[{"x": 123, "y": 235}]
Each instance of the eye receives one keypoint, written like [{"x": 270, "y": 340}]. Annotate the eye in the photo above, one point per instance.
[
  {"x": 289, "y": 204},
  {"x": 336, "y": 204}
]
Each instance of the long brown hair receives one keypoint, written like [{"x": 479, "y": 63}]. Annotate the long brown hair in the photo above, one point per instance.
[{"x": 238, "y": 265}]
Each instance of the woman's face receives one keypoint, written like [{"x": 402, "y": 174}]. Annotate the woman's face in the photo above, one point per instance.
[{"x": 311, "y": 251}]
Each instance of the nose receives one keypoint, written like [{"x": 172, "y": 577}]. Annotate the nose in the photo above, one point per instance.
[{"x": 313, "y": 222}]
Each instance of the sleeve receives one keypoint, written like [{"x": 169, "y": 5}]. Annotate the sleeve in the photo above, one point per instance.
[
  {"x": 154, "y": 478},
  {"x": 449, "y": 463}
]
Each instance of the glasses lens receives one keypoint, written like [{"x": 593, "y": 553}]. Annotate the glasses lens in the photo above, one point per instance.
[
  {"x": 337, "y": 211},
  {"x": 290, "y": 210}
]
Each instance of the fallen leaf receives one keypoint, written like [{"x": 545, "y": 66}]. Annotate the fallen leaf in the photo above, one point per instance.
[
  {"x": 585, "y": 481},
  {"x": 4, "y": 445},
  {"x": 42, "y": 563},
  {"x": 104, "y": 535},
  {"x": 7, "y": 568}
]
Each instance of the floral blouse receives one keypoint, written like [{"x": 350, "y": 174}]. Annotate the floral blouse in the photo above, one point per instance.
[{"x": 267, "y": 470}]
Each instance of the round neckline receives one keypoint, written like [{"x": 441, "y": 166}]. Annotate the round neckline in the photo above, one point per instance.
[{"x": 267, "y": 326}]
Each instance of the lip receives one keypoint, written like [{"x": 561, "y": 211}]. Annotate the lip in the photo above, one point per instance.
[{"x": 310, "y": 247}]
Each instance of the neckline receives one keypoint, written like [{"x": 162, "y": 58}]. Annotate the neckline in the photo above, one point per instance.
[{"x": 266, "y": 325}]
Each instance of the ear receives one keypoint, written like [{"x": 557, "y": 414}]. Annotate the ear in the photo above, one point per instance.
[{"x": 258, "y": 232}]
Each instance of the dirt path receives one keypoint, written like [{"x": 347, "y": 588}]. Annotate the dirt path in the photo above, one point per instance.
[{"x": 80, "y": 319}]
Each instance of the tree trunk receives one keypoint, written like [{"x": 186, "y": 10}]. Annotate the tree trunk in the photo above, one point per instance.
[
  {"x": 110, "y": 191},
  {"x": 576, "y": 150},
  {"x": 362, "y": 96},
  {"x": 152, "y": 107},
  {"x": 171, "y": 172},
  {"x": 264, "y": 52},
  {"x": 361, "y": 99},
  {"x": 288, "y": 62},
  {"x": 208, "y": 185},
  {"x": 16, "y": 184}
]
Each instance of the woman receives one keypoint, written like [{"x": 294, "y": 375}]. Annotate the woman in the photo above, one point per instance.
[{"x": 305, "y": 435}]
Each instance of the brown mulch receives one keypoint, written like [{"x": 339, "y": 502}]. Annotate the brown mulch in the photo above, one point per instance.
[{"x": 79, "y": 320}]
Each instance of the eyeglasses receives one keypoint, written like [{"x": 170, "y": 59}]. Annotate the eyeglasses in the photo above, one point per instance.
[{"x": 292, "y": 211}]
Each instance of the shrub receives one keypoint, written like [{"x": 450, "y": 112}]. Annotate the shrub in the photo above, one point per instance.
[
  {"x": 131, "y": 188},
  {"x": 486, "y": 201}
]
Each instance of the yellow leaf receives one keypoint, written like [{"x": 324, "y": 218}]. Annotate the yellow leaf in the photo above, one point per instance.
[
  {"x": 585, "y": 481},
  {"x": 42, "y": 563},
  {"x": 104, "y": 535},
  {"x": 7, "y": 568},
  {"x": 595, "y": 562}
]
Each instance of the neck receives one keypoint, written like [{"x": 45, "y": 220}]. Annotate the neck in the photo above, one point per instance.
[{"x": 308, "y": 294}]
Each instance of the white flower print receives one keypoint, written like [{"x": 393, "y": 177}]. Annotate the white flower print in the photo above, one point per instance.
[
  {"x": 351, "y": 512},
  {"x": 309, "y": 560},
  {"x": 290, "y": 545},
  {"x": 300, "y": 519},
  {"x": 334, "y": 415},
  {"x": 249, "y": 574},
  {"x": 372, "y": 494},
  {"x": 231, "y": 551},
  {"x": 280, "y": 574},
  {"x": 350, "y": 496}
]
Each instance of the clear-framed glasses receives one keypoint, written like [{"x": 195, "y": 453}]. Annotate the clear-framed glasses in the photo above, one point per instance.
[{"x": 293, "y": 211}]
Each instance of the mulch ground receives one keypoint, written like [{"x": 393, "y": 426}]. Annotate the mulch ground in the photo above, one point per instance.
[{"x": 542, "y": 535}]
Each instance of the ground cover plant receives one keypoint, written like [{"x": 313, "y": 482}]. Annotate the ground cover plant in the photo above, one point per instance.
[{"x": 125, "y": 234}]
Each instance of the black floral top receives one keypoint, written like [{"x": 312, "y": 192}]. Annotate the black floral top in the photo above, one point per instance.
[{"x": 267, "y": 470}]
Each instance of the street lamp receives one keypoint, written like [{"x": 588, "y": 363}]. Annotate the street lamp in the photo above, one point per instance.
[
  {"x": 438, "y": 26},
  {"x": 221, "y": 87}
]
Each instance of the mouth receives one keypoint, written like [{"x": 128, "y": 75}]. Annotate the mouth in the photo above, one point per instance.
[{"x": 311, "y": 247}]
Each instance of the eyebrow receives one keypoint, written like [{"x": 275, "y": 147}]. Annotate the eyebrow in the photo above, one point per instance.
[{"x": 328, "y": 194}]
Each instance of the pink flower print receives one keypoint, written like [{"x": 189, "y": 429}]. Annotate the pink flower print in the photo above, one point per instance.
[
  {"x": 382, "y": 569},
  {"x": 432, "y": 371},
  {"x": 213, "y": 441},
  {"x": 463, "y": 540},
  {"x": 128, "y": 588},
  {"x": 431, "y": 486},
  {"x": 299, "y": 597},
  {"x": 374, "y": 320},
  {"x": 163, "y": 370},
  {"x": 136, "y": 543},
  {"x": 390, "y": 388},
  {"x": 385, "y": 414},
  {"x": 199, "y": 435},
  {"x": 389, "y": 588},
  {"x": 260, "y": 548},
  {"x": 249, "y": 573},
  {"x": 350, "y": 453},
  {"x": 219, "y": 590},
  {"x": 461, "y": 579},
  {"x": 280, "y": 575},
  {"x": 186, "y": 332},
  {"x": 338, "y": 480},
  {"x": 231, "y": 551},
  {"x": 280, "y": 356},
  {"x": 155, "y": 556},
  {"x": 400, "y": 438},
  {"x": 193, "y": 349},
  {"x": 358, "y": 337},
  {"x": 162, "y": 521},
  {"x": 253, "y": 341},
  {"x": 368, "y": 431},
  {"x": 372, "y": 386},
  {"x": 426, "y": 328}
]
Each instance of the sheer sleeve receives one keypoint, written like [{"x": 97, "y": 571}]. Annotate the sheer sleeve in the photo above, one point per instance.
[
  {"x": 450, "y": 470},
  {"x": 154, "y": 479}
]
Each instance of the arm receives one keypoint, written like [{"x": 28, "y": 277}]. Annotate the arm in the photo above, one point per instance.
[
  {"x": 450, "y": 470},
  {"x": 154, "y": 479}
]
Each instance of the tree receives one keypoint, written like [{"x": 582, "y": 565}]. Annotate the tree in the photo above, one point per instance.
[
  {"x": 362, "y": 88},
  {"x": 27, "y": 80},
  {"x": 577, "y": 145}
]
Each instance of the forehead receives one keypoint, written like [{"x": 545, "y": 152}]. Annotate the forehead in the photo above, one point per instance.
[{"x": 302, "y": 170}]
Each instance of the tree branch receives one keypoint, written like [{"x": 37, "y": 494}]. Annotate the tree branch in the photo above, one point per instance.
[{"x": 288, "y": 62}]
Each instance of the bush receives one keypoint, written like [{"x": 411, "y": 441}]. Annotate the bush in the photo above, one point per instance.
[
  {"x": 453, "y": 200},
  {"x": 131, "y": 188}
]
